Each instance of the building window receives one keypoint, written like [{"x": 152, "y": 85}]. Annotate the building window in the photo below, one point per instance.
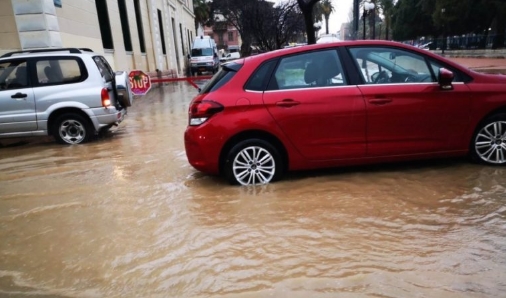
[
  {"x": 230, "y": 36},
  {"x": 105, "y": 25},
  {"x": 174, "y": 37},
  {"x": 162, "y": 35},
  {"x": 182, "y": 38},
  {"x": 140, "y": 28},
  {"x": 123, "y": 15},
  {"x": 220, "y": 38},
  {"x": 189, "y": 40}
]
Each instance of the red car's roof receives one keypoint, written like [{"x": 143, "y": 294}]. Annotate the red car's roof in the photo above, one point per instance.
[{"x": 298, "y": 49}]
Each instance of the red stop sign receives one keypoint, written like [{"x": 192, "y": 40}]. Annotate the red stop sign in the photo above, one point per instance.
[{"x": 140, "y": 83}]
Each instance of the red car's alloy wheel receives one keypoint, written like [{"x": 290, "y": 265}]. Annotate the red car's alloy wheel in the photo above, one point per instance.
[
  {"x": 490, "y": 141},
  {"x": 253, "y": 162}
]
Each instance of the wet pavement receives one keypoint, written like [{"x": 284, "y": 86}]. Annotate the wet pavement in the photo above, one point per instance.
[{"x": 127, "y": 216}]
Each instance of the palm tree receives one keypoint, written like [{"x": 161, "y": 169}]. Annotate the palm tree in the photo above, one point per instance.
[
  {"x": 387, "y": 8},
  {"x": 327, "y": 9},
  {"x": 317, "y": 12},
  {"x": 202, "y": 12}
]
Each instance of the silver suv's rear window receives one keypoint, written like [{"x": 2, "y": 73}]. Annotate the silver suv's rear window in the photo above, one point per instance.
[
  {"x": 104, "y": 67},
  {"x": 59, "y": 71}
]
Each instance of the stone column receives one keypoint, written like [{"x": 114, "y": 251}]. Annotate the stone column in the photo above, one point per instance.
[{"x": 37, "y": 24}]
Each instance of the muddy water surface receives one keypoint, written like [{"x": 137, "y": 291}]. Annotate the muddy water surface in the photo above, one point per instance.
[{"x": 126, "y": 216}]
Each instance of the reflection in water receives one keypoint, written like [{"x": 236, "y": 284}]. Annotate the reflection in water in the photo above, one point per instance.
[{"x": 126, "y": 216}]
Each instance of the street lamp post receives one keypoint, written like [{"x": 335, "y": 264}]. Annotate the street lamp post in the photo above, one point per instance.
[
  {"x": 373, "y": 22},
  {"x": 368, "y": 7},
  {"x": 444, "y": 39},
  {"x": 317, "y": 26},
  {"x": 356, "y": 14}
]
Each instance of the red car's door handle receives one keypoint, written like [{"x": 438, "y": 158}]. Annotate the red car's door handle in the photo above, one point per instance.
[
  {"x": 379, "y": 101},
  {"x": 287, "y": 103}
]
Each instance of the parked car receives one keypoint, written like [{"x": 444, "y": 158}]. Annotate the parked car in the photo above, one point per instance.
[
  {"x": 426, "y": 46},
  {"x": 344, "y": 103},
  {"x": 68, "y": 93},
  {"x": 230, "y": 57},
  {"x": 324, "y": 38}
]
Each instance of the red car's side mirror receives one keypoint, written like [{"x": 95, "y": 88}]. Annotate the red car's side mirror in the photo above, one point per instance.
[{"x": 445, "y": 79}]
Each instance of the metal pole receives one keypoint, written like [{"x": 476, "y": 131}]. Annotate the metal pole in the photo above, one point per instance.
[
  {"x": 373, "y": 20},
  {"x": 363, "y": 18},
  {"x": 356, "y": 14}
]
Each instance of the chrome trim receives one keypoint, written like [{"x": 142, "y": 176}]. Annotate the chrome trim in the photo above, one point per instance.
[{"x": 309, "y": 88}]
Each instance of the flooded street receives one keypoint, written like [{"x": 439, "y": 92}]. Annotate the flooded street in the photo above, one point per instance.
[{"x": 127, "y": 216}]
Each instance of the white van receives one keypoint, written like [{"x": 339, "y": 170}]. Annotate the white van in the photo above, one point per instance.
[{"x": 204, "y": 55}]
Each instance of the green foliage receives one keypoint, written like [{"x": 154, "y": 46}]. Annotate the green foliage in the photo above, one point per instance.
[
  {"x": 414, "y": 18},
  {"x": 306, "y": 7},
  {"x": 261, "y": 23},
  {"x": 202, "y": 12},
  {"x": 409, "y": 20}
]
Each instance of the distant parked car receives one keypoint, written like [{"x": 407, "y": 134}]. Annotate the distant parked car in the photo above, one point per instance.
[
  {"x": 343, "y": 103},
  {"x": 68, "y": 93},
  {"x": 325, "y": 38},
  {"x": 230, "y": 56},
  {"x": 425, "y": 46}
]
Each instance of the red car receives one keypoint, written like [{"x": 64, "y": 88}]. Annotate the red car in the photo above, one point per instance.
[{"x": 345, "y": 103}]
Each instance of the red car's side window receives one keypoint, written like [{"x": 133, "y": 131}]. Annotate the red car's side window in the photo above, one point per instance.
[
  {"x": 308, "y": 70},
  {"x": 391, "y": 66}
]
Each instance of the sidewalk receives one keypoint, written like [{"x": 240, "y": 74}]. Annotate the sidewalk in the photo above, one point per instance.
[{"x": 487, "y": 65}]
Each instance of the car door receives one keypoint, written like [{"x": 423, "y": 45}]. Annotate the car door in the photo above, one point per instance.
[
  {"x": 17, "y": 102},
  {"x": 407, "y": 111},
  {"x": 322, "y": 116}
]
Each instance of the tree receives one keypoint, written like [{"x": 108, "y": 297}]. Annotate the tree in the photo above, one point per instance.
[
  {"x": 386, "y": 7},
  {"x": 241, "y": 14},
  {"x": 306, "y": 7},
  {"x": 281, "y": 24},
  {"x": 327, "y": 8},
  {"x": 202, "y": 13},
  {"x": 410, "y": 12}
]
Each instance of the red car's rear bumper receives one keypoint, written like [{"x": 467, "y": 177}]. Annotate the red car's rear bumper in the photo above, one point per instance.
[{"x": 203, "y": 153}]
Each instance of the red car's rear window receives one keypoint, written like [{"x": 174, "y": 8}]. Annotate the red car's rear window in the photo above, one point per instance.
[{"x": 222, "y": 77}]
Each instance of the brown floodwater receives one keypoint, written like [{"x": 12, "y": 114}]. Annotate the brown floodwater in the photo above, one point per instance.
[{"x": 127, "y": 216}]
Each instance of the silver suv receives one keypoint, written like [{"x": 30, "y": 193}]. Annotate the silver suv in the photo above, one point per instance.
[{"x": 69, "y": 93}]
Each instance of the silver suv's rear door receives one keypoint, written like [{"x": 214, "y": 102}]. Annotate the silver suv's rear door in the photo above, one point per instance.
[{"x": 107, "y": 75}]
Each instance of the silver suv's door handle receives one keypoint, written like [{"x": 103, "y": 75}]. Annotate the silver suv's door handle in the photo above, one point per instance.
[{"x": 19, "y": 95}]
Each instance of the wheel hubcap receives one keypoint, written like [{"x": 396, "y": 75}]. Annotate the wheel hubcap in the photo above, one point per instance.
[
  {"x": 72, "y": 131},
  {"x": 254, "y": 165},
  {"x": 490, "y": 143}
]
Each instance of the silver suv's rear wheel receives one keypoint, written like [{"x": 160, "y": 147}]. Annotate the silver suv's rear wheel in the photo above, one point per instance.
[
  {"x": 253, "y": 162},
  {"x": 489, "y": 141},
  {"x": 72, "y": 129}
]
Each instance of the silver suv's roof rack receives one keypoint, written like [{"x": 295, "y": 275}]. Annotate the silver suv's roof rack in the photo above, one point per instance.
[{"x": 71, "y": 50}]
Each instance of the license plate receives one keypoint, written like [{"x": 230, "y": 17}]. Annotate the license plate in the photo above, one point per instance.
[{"x": 202, "y": 69}]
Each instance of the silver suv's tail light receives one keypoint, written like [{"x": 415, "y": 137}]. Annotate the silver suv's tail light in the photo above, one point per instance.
[
  {"x": 201, "y": 110},
  {"x": 106, "y": 101}
]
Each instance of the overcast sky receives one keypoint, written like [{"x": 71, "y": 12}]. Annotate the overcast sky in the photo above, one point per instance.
[{"x": 340, "y": 15}]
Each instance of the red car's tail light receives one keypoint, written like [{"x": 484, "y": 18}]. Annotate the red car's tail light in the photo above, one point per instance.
[
  {"x": 106, "y": 101},
  {"x": 201, "y": 110}
]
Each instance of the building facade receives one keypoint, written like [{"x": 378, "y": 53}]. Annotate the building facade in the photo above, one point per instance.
[
  {"x": 225, "y": 35},
  {"x": 132, "y": 34}
]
